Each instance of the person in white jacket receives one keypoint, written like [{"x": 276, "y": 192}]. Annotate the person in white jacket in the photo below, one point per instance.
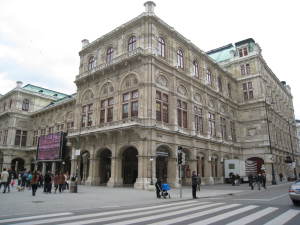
[{"x": 4, "y": 179}]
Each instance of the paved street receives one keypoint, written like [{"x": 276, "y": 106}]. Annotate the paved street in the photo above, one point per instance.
[{"x": 218, "y": 204}]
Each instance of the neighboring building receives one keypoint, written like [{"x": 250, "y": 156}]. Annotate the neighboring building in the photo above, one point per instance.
[
  {"x": 298, "y": 135},
  {"x": 143, "y": 91}
]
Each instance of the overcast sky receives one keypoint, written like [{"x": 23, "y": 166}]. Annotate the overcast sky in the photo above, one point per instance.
[{"x": 40, "y": 39}]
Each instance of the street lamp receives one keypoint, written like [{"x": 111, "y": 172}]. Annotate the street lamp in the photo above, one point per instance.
[
  {"x": 151, "y": 161},
  {"x": 271, "y": 151}
]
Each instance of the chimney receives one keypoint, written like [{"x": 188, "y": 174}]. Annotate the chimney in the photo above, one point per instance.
[
  {"x": 84, "y": 42},
  {"x": 149, "y": 7},
  {"x": 19, "y": 84}
]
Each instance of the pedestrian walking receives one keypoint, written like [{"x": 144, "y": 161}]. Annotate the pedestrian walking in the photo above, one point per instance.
[
  {"x": 194, "y": 184},
  {"x": 56, "y": 182},
  {"x": 280, "y": 177},
  {"x": 158, "y": 188},
  {"x": 198, "y": 181},
  {"x": 47, "y": 183},
  {"x": 4, "y": 179},
  {"x": 258, "y": 180},
  {"x": 264, "y": 180},
  {"x": 237, "y": 180},
  {"x": 233, "y": 179},
  {"x": 34, "y": 182},
  {"x": 61, "y": 182},
  {"x": 251, "y": 180}
]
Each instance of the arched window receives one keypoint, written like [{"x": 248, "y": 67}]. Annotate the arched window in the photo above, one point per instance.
[
  {"x": 92, "y": 63},
  {"x": 195, "y": 69},
  {"x": 161, "y": 47},
  {"x": 180, "y": 58},
  {"x": 132, "y": 43},
  {"x": 109, "y": 55}
]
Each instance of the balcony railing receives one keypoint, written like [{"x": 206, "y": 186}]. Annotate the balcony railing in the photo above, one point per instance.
[{"x": 115, "y": 60}]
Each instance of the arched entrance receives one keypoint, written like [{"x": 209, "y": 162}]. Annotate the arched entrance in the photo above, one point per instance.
[
  {"x": 253, "y": 165},
  {"x": 17, "y": 164},
  {"x": 129, "y": 166},
  {"x": 84, "y": 166},
  {"x": 162, "y": 158},
  {"x": 105, "y": 166}
]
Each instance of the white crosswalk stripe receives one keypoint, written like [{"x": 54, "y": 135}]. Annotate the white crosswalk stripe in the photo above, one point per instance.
[
  {"x": 184, "y": 212},
  {"x": 284, "y": 218}
]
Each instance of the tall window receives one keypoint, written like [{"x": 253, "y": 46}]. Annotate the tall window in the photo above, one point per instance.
[
  {"x": 243, "y": 51},
  {"x": 161, "y": 47},
  {"x": 5, "y": 137},
  {"x": 180, "y": 58},
  {"x": 130, "y": 104},
  {"x": 132, "y": 43},
  {"x": 195, "y": 69},
  {"x": 50, "y": 130},
  {"x": 20, "y": 138},
  {"x": 232, "y": 129},
  {"x": 0, "y": 136},
  {"x": 212, "y": 124},
  {"x": 4, "y": 106},
  {"x": 25, "y": 105},
  {"x": 245, "y": 69},
  {"x": 248, "y": 91},
  {"x": 70, "y": 124},
  {"x": 91, "y": 63},
  {"x": 106, "y": 109},
  {"x": 109, "y": 55},
  {"x": 86, "y": 115},
  {"x": 162, "y": 107},
  {"x": 223, "y": 128},
  {"x": 35, "y": 138},
  {"x": 229, "y": 90},
  {"x": 220, "y": 84},
  {"x": 198, "y": 119},
  {"x": 182, "y": 113},
  {"x": 208, "y": 77},
  {"x": 10, "y": 103}
]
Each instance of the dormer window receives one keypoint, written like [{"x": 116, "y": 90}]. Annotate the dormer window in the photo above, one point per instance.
[{"x": 243, "y": 51}]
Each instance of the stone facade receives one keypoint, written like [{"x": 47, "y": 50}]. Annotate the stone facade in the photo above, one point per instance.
[{"x": 143, "y": 91}]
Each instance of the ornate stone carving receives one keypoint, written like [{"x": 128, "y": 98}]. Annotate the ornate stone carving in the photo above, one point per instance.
[
  {"x": 182, "y": 90},
  {"x": 198, "y": 98},
  {"x": 162, "y": 80},
  {"x": 130, "y": 81}
]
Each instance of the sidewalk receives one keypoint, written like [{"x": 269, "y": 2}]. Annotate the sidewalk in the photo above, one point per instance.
[{"x": 97, "y": 197}]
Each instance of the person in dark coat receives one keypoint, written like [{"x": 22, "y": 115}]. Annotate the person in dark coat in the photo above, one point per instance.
[
  {"x": 158, "y": 188},
  {"x": 34, "y": 182},
  {"x": 258, "y": 180},
  {"x": 47, "y": 183},
  {"x": 194, "y": 184},
  {"x": 264, "y": 180},
  {"x": 251, "y": 180},
  {"x": 233, "y": 179}
]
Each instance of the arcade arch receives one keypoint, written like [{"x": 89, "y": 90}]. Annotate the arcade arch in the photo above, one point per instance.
[
  {"x": 104, "y": 169},
  {"x": 129, "y": 166},
  {"x": 18, "y": 164}
]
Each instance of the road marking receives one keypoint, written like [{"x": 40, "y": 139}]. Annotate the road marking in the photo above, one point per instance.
[
  {"x": 252, "y": 217},
  {"x": 195, "y": 215},
  {"x": 283, "y": 218},
  {"x": 264, "y": 200},
  {"x": 225, "y": 215},
  {"x": 34, "y": 217},
  {"x": 142, "y": 214},
  {"x": 171, "y": 206}
]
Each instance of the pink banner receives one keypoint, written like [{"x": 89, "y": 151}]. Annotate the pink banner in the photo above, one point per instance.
[{"x": 49, "y": 147}]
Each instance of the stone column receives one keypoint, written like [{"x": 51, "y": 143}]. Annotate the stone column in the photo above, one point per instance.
[
  {"x": 43, "y": 168},
  {"x": 173, "y": 173},
  {"x": 142, "y": 168},
  {"x": 208, "y": 179},
  {"x": 53, "y": 168},
  {"x": 94, "y": 178},
  {"x": 116, "y": 173}
]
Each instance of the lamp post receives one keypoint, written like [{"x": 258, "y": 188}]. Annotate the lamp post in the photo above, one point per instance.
[
  {"x": 151, "y": 178},
  {"x": 293, "y": 153},
  {"x": 271, "y": 151}
]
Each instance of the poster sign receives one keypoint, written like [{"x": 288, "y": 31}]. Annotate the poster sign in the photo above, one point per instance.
[{"x": 50, "y": 147}]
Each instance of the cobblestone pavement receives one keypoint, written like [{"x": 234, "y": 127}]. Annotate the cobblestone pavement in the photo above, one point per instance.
[{"x": 94, "y": 197}]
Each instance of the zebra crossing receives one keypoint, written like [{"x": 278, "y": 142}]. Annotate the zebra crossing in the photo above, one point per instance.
[{"x": 183, "y": 212}]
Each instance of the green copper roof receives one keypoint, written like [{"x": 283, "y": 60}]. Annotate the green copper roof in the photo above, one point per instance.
[
  {"x": 44, "y": 91},
  {"x": 223, "y": 53}
]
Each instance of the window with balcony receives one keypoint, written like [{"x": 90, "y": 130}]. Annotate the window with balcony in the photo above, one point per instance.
[
  {"x": 195, "y": 69},
  {"x": 229, "y": 90},
  {"x": 109, "y": 55},
  {"x": 0, "y": 136},
  {"x": 25, "y": 105},
  {"x": 10, "y": 103},
  {"x": 5, "y": 137},
  {"x": 106, "y": 111},
  {"x": 130, "y": 104},
  {"x": 211, "y": 124},
  {"x": 50, "y": 130},
  {"x": 35, "y": 138},
  {"x": 70, "y": 125},
  {"x": 131, "y": 43},
  {"x": 20, "y": 138},
  {"x": 180, "y": 58},
  {"x": 161, "y": 47},
  {"x": 220, "y": 86},
  {"x": 4, "y": 106},
  {"x": 208, "y": 77},
  {"x": 223, "y": 128},
  {"x": 91, "y": 63},
  {"x": 232, "y": 129},
  {"x": 245, "y": 69},
  {"x": 86, "y": 115},
  {"x": 162, "y": 107},
  {"x": 248, "y": 91},
  {"x": 182, "y": 113},
  {"x": 198, "y": 119}
]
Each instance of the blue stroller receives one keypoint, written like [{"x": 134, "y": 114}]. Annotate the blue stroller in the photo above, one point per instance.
[{"x": 164, "y": 190}]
